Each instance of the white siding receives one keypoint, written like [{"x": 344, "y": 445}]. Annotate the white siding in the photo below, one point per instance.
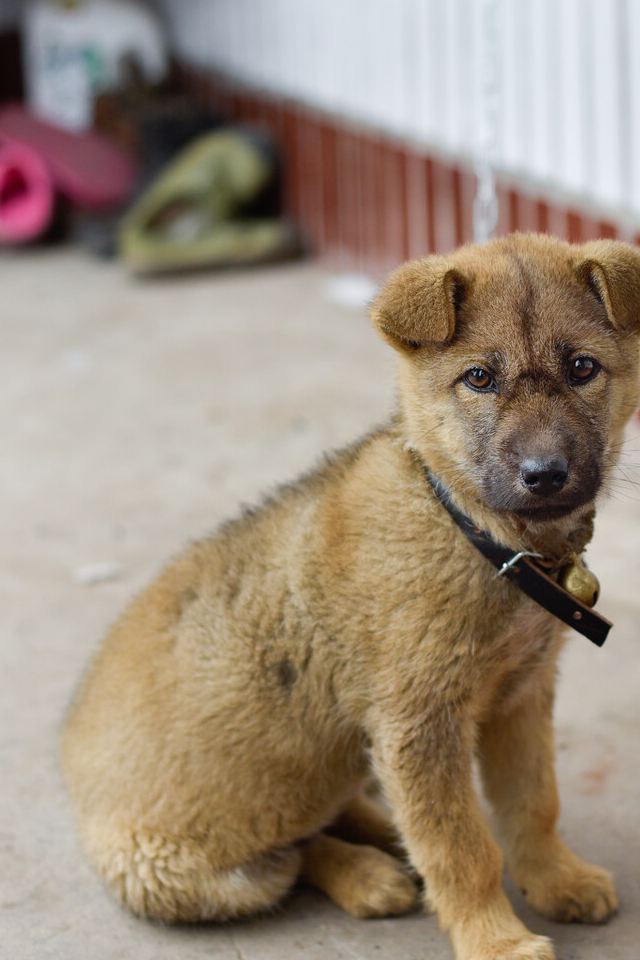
[{"x": 569, "y": 104}]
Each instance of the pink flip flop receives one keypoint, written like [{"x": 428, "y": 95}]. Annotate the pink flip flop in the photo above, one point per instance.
[
  {"x": 27, "y": 196},
  {"x": 86, "y": 168}
]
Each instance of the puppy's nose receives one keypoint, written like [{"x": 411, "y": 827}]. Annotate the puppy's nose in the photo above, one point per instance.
[{"x": 544, "y": 475}]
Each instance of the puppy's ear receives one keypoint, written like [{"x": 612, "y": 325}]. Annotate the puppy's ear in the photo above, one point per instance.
[
  {"x": 611, "y": 270},
  {"x": 418, "y": 303}
]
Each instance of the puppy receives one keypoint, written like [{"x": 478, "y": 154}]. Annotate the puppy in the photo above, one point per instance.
[{"x": 221, "y": 742}]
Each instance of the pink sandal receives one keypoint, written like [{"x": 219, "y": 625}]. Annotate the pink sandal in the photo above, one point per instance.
[
  {"x": 86, "y": 168},
  {"x": 27, "y": 196}
]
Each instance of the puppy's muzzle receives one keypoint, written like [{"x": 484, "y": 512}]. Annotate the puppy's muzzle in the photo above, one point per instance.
[{"x": 544, "y": 475}]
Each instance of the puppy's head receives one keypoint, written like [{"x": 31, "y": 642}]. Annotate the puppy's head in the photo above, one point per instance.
[{"x": 518, "y": 367}]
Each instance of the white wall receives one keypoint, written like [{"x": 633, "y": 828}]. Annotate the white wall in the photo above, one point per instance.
[{"x": 566, "y": 84}]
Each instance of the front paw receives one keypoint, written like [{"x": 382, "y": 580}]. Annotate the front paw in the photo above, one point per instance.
[
  {"x": 527, "y": 947},
  {"x": 571, "y": 890}
]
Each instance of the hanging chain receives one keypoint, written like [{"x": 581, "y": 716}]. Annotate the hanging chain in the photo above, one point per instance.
[{"x": 485, "y": 204}]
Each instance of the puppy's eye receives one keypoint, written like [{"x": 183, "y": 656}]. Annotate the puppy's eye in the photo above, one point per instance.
[
  {"x": 582, "y": 369},
  {"x": 479, "y": 379}
]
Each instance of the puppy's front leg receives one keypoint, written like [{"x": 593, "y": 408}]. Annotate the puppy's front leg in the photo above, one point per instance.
[
  {"x": 424, "y": 764},
  {"x": 517, "y": 760}
]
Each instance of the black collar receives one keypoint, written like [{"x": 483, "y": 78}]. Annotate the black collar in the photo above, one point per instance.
[{"x": 526, "y": 574}]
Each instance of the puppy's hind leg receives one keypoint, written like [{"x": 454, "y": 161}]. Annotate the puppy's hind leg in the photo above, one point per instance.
[
  {"x": 363, "y": 880},
  {"x": 170, "y": 878},
  {"x": 364, "y": 820}
]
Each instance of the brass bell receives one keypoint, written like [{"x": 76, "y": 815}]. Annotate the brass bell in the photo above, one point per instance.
[{"x": 580, "y": 582}]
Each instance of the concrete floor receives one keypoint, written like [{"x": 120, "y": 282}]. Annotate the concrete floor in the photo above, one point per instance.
[{"x": 136, "y": 416}]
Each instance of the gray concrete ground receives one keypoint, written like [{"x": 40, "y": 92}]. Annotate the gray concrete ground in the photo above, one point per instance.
[{"x": 136, "y": 416}]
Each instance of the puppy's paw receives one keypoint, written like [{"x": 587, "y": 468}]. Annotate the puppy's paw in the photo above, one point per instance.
[
  {"x": 379, "y": 886},
  {"x": 361, "y": 879},
  {"x": 526, "y": 947},
  {"x": 572, "y": 891}
]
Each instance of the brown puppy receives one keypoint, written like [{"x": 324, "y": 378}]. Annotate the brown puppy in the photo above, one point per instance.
[{"x": 220, "y": 742}]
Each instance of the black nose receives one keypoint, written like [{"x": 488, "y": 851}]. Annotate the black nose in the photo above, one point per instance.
[{"x": 544, "y": 475}]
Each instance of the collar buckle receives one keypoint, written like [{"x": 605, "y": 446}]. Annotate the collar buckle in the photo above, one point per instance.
[{"x": 510, "y": 564}]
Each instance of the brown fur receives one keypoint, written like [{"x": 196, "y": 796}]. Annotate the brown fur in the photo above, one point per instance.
[{"x": 221, "y": 741}]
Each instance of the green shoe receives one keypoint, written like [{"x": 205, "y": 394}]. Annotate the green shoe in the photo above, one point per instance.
[{"x": 196, "y": 213}]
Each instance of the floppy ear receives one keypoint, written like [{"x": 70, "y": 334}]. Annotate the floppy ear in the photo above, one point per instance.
[
  {"x": 611, "y": 270},
  {"x": 418, "y": 303}
]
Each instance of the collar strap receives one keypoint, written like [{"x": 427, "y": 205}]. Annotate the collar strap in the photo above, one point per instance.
[{"x": 527, "y": 575}]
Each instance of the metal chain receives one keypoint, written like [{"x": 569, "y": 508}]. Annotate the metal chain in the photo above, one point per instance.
[{"x": 485, "y": 204}]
